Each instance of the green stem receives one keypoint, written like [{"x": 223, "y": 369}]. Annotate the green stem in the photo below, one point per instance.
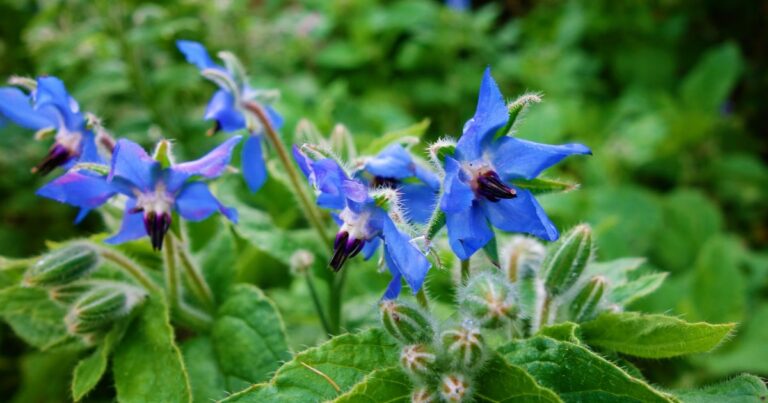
[
  {"x": 464, "y": 271},
  {"x": 199, "y": 286},
  {"x": 316, "y": 301},
  {"x": 336, "y": 290},
  {"x": 546, "y": 306},
  {"x": 171, "y": 272},
  {"x": 129, "y": 266},
  {"x": 422, "y": 298}
]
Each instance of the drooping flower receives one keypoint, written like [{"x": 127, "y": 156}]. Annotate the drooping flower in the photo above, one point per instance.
[
  {"x": 49, "y": 106},
  {"x": 228, "y": 107},
  {"x": 419, "y": 187},
  {"x": 364, "y": 223},
  {"x": 477, "y": 188},
  {"x": 154, "y": 190}
]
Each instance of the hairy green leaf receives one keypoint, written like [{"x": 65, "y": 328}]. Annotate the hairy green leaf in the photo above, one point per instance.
[
  {"x": 206, "y": 378},
  {"x": 577, "y": 374},
  {"x": 33, "y": 316},
  {"x": 633, "y": 290},
  {"x": 742, "y": 389},
  {"x": 147, "y": 365},
  {"x": 89, "y": 370},
  {"x": 652, "y": 336},
  {"x": 502, "y": 382},
  {"x": 382, "y": 385},
  {"x": 566, "y": 331},
  {"x": 539, "y": 186},
  {"x": 718, "y": 287}
]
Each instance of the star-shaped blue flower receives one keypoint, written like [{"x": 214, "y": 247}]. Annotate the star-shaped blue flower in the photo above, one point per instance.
[
  {"x": 227, "y": 109},
  {"x": 50, "y": 106},
  {"x": 476, "y": 187},
  {"x": 153, "y": 191},
  {"x": 418, "y": 186},
  {"x": 364, "y": 225}
]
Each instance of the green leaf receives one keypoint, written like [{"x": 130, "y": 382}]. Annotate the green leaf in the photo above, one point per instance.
[
  {"x": 381, "y": 385},
  {"x": 566, "y": 331},
  {"x": 147, "y": 364},
  {"x": 217, "y": 260},
  {"x": 248, "y": 335},
  {"x": 44, "y": 377},
  {"x": 631, "y": 291},
  {"x": 89, "y": 370},
  {"x": 326, "y": 371},
  {"x": 205, "y": 376},
  {"x": 539, "y": 186},
  {"x": 747, "y": 352},
  {"x": 742, "y": 389},
  {"x": 652, "y": 336},
  {"x": 708, "y": 85},
  {"x": 33, "y": 316},
  {"x": 379, "y": 143},
  {"x": 11, "y": 270},
  {"x": 502, "y": 382},
  {"x": 577, "y": 374},
  {"x": 717, "y": 286}
]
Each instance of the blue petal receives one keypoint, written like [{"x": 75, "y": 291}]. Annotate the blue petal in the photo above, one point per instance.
[
  {"x": 457, "y": 194},
  {"x": 329, "y": 179},
  {"x": 132, "y": 226},
  {"x": 51, "y": 92},
  {"x": 253, "y": 164},
  {"x": 196, "y": 54},
  {"x": 407, "y": 259},
  {"x": 370, "y": 247},
  {"x": 212, "y": 164},
  {"x": 222, "y": 109},
  {"x": 521, "y": 214},
  {"x": 514, "y": 158},
  {"x": 393, "y": 162},
  {"x": 395, "y": 285},
  {"x": 419, "y": 202},
  {"x": 131, "y": 163},
  {"x": 275, "y": 118},
  {"x": 468, "y": 231},
  {"x": 172, "y": 179},
  {"x": 196, "y": 202},
  {"x": 79, "y": 189},
  {"x": 355, "y": 190},
  {"x": 89, "y": 152},
  {"x": 427, "y": 176},
  {"x": 15, "y": 105},
  {"x": 81, "y": 215},
  {"x": 491, "y": 114},
  {"x": 305, "y": 163}
]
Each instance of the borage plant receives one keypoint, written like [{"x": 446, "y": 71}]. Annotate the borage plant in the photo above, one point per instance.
[{"x": 165, "y": 322}]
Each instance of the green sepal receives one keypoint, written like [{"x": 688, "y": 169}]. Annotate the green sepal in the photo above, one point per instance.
[
  {"x": 567, "y": 260},
  {"x": 539, "y": 186}
]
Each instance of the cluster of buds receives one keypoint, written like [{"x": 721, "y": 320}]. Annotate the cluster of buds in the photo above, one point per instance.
[{"x": 489, "y": 299}]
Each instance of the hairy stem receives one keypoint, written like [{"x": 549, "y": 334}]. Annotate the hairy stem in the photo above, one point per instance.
[
  {"x": 464, "y": 271},
  {"x": 171, "y": 271},
  {"x": 199, "y": 286},
  {"x": 129, "y": 266},
  {"x": 316, "y": 301}
]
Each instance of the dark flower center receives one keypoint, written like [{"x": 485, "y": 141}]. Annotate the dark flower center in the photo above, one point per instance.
[
  {"x": 490, "y": 186},
  {"x": 57, "y": 156},
  {"x": 345, "y": 247},
  {"x": 385, "y": 182},
  {"x": 157, "y": 224}
]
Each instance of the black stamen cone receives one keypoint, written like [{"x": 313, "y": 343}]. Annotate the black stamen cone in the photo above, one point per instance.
[
  {"x": 492, "y": 188},
  {"x": 344, "y": 248},
  {"x": 157, "y": 225},
  {"x": 57, "y": 156},
  {"x": 381, "y": 181}
]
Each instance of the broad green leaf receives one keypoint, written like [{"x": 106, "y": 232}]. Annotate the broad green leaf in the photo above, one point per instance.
[
  {"x": 652, "y": 336},
  {"x": 566, "y": 331},
  {"x": 540, "y": 186},
  {"x": 217, "y": 260},
  {"x": 615, "y": 271},
  {"x": 747, "y": 352},
  {"x": 205, "y": 376},
  {"x": 11, "y": 271},
  {"x": 577, "y": 374},
  {"x": 502, "y": 382},
  {"x": 717, "y": 287},
  {"x": 382, "y": 385},
  {"x": 417, "y": 130},
  {"x": 248, "y": 335},
  {"x": 44, "y": 377},
  {"x": 742, "y": 389},
  {"x": 89, "y": 370},
  {"x": 33, "y": 316},
  {"x": 326, "y": 371},
  {"x": 633, "y": 290},
  {"x": 147, "y": 364},
  {"x": 708, "y": 85}
]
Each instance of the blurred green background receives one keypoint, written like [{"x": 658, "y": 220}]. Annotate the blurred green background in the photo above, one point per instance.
[{"x": 669, "y": 94}]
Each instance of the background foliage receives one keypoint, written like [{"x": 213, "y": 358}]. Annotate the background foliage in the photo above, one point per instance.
[{"x": 668, "y": 94}]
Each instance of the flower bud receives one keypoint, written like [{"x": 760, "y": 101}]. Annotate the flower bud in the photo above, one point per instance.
[
  {"x": 100, "y": 307},
  {"x": 488, "y": 298},
  {"x": 465, "y": 346},
  {"x": 423, "y": 395},
  {"x": 521, "y": 258},
  {"x": 417, "y": 359},
  {"x": 585, "y": 303},
  {"x": 568, "y": 260},
  {"x": 68, "y": 293},
  {"x": 301, "y": 261},
  {"x": 406, "y": 322},
  {"x": 63, "y": 266},
  {"x": 454, "y": 388}
]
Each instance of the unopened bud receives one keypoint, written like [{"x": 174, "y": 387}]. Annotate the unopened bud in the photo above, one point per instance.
[
  {"x": 521, "y": 257},
  {"x": 441, "y": 149},
  {"x": 465, "y": 345},
  {"x": 568, "y": 260},
  {"x": 164, "y": 153},
  {"x": 100, "y": 307},
  {"x": 63, "y": 266},
  {"x": 68, "y": 293},
  {"x": 417, "y": 359},
  {"x": 423, "y": 395},
  {"x": 301, "y": 261},
  {"x": 584, "y": 305},
  {"x": 454, "y": 388},
  {"x": 406, "y": 322},
  {"x": 488, "y": 298}
]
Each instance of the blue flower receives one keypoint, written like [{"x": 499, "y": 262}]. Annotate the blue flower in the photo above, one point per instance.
[
  {"x": 49, "y": 107},
  {"x": 227, "y": 107},
  {"x": 153, "y": 191},
  {"x": 364, "y": 224},
  {"x": 419, "y": 187},
  {"x": 476, "y": 187}
]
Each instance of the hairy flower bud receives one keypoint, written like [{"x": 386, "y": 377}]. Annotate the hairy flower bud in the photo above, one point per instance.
[
  {"x": 406, "y": 322},
  {"x": 417, "y": 359},
  {"x": 521, "y": 257},
  {"x": 423, "y": 395},
  {"x": 101, "y": 306},
  {"x": 568, "y": 260},
  {"x": 454, "y": 387},
  {"x": 585, "y": 303},
  {"x": 465, "y": 345},
  {"x": 63, "y": 266},
  {"x": 488, "y": 298},
  {"x": 68, "y": 293}
]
